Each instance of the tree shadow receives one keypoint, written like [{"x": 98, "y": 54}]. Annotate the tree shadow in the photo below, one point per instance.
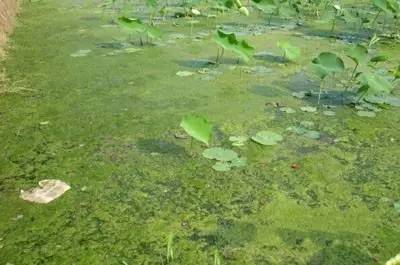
[
  {"x": 195, "y": 63},
  {"x": 270, "y": 57},
  {"x": 346, "y": 36},
  {"x": 267, "y": 91},
  {"x": 341, "y": 254},
  {"x": 207, "y": 63},
  {"x": 303, "y": 83},
  {"x": 333, "y": 251},
  {"x": 159, "y": 146}
]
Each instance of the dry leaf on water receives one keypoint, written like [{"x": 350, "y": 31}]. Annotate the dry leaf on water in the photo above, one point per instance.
[{"x": 48, "y": 190}]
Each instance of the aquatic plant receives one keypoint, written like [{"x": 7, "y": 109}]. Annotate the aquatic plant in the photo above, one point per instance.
[
  {"x": 359, "y": 54},
  {"x": 228, "y": 41},
  {"x": 325, "y": 64},
  {"x": 135, "y": 25},
  {"x": 389, "y": 7},
  {"x": 290, "y": 52},
  {"x": 373, "y": 85},
  {"x": 337, "y": 13},
  {"x": 267, "y": 138},
  {"x": 220, "y": 154},
  {"x": 170, "y": 249},
  {"x": 226, "y": 158},
  {"x": 396, "y": 73},
  {"x": 237, "y": 4},
  {"x": 198, "y": 128},
  {"x": 238, "y": 140},
  {"x": 217, "y": 259},
  {"x": 152, "y": 4},
  {"x": 269, "y": 7}
]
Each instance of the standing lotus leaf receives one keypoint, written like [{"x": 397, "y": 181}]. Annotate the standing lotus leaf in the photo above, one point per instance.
[
  {"x": 136, "y": 25},
  {"x": 358, "y": 53},
  {"x": 267, "y": 138},
  {"x": 374, "y": 85},
  {"x": 290, "y": 52},
  {"x": 228, "y": 41},
  {"x": 327, "y": 63},
  {"x": 197, "y": 127}
]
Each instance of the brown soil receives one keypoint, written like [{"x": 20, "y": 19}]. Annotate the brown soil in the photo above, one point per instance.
[{"x": 8, "y": 11}]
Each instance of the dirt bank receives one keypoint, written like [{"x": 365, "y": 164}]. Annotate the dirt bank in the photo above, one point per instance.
[{"x": 8, "y": 11}]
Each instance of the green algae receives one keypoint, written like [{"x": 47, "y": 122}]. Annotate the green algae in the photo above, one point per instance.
[{"x": 134, "y": 184}]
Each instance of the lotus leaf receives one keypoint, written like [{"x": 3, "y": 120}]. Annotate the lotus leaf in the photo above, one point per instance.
[
  {"x": 197, "y": 127},
  {"x": 229, "y": 41},
  {"x": 358, "y": 53},
  {"x": 327, "y": 63},
  {"x": 290, "y": 52},
  {"x": 220, "y": 154},
  {"x": 221, "y": 166},
  {"x": 267, "y": 138}
]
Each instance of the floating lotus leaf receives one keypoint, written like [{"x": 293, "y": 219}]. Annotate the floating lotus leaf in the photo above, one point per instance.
[
  {"x": 184, "y": 73},
  {"x": 290, "y": 52},
  {"x": 238, "y": 140},
  {"x": 307, "y": 124},
  {"x": 299, "y": 95},
  {"x": 299, "y": 130},
  {"x": 81, "y": 53},
  {"x": 229, "y": 41},
  {"x": 197, "y": 127},
  {"x": 312, "y": 134},
  {"x": 385, "y": 99},
  {"x": 220, "y": 154},
  {"x": 221, "y": 166},
  {"x": 329, "y": 113},
  {"x": 267, "y": 138},
  {"x": 308, "y": 109},
  {"x": 287, "y": 110},
  {"x": 364, "y": 113},
  {"x": 393, "y": 101},
  {"x": 239, "y": 162}
]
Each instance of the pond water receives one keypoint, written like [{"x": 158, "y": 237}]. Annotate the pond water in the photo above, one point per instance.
[{"x": 101, "y": 113}]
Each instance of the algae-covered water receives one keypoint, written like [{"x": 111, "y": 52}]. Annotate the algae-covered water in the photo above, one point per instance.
[{"x": 101, "y": 113}]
